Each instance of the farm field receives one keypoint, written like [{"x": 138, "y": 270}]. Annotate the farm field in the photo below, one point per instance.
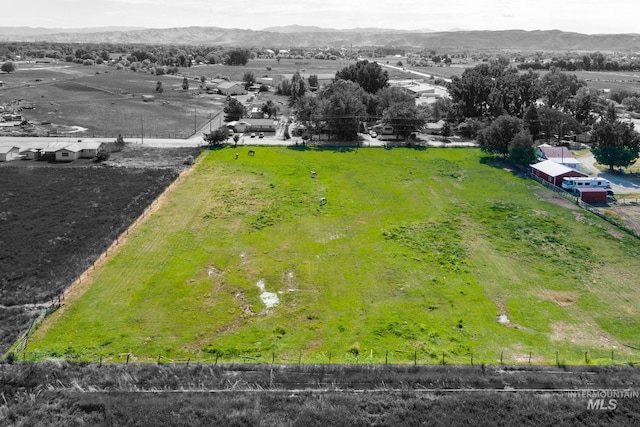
[
  {"x": 106, "y": 102},
  {"x": 417, "y": 255},
  {"x": 56, "y": 219}
]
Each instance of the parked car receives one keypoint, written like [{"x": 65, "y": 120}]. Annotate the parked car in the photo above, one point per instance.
[
  {"x": 253, "y": 135},
  {"x": 261, "y": 135},
  {"x": 373, "y": 134}
]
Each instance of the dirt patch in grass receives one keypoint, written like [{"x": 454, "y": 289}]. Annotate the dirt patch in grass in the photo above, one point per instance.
[
  {"x": 551, "y": 197},
  {"x": 628, "y": 214},
  {"x": 563, "y": 299},
  {"x": 585, "y": 334}
]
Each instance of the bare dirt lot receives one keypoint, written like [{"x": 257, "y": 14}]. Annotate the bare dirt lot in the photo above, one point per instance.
[{"x": 56, "y": 219}]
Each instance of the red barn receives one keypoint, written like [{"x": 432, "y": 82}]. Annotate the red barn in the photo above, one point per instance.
[
  {"x": 593, "y": 195},
  {"x": 553, "y": 172}
]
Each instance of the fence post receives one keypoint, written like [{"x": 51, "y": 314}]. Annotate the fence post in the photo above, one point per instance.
[
  {"x": 329, "y": 358},
  {"x": 529, "y": 358},
  {"x": 443, "y": 357},
  {"x": 557, "y": 361},
  {"x": 386, "y": 358},
  {"x": 159, "y": 359},
  {"x": 415, "y": 357},
  {"x": 188, "y": 360},
  {"x": 127, "y": 359},
  {"x": 300, "y": 358},
  {"x": 585, "y": 357},
  {"x": 501, "y": 358},
  {"x": 100, "y": 361},
  {"x": 471, "y": 359}
]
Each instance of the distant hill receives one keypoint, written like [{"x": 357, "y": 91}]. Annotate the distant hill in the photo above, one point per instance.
[
  {"x": 309, "y": 36},
  {"x": 39, "y": 31}
]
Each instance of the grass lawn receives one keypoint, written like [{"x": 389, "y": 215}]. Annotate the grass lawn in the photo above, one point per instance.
[{"x": 416, "y": 253}]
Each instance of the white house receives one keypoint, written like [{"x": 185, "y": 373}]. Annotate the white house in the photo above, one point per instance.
[
  {"x": 68, "y": 153},
  {"x": 255, "y": 125},
  {"x": 8, "y": 153},
  {"x": 89, "y": 149}
]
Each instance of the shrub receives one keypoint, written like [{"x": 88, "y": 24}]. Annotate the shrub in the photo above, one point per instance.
[
  {"x": 103, "y": 155},
  {"x": 354, "y": 349}
]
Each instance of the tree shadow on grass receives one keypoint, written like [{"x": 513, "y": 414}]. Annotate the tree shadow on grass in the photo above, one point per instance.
[{"x": 504, "y": 164}]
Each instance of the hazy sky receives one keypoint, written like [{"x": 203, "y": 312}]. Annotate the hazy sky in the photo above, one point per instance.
[{"x": 584, "y": 16}]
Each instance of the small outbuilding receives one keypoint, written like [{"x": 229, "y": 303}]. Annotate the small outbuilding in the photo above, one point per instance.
[
  {"x": 8, "y": 153},
  {"x": 593, "y": 195},
  {"x": 30, "y": 153},
  {"x": 553, "y": 172}
]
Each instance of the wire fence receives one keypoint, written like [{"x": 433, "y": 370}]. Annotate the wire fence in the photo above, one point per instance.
[
  {"x": 599, "y": 212},
  {"x": 603, "y": 357},
  {"x": 84, "y": 276}
]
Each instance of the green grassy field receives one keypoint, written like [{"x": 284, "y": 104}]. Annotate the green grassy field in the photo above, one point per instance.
[{"x": 416, "y": 253}]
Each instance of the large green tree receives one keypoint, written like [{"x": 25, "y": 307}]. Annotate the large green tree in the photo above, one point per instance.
[
  {"x": 558, "y": 87},
  {"x": 237, "y": 57},
  {"x": 309, "y": 110},
  {"x": 404, "y": 117},
  {"x": 8, "y": 67},
  {"x": 493, "y": 90},
  {"x": 369, "y": 75},
  {"x": 617, "y": 144},
  {"x": 391, "y": 95},
  {"x": 497, "y": 137},
  {"x": 299, "y": 87},
  {"x": 521, "y": 151},
  {"x": 248, "y": 78},
  {"x": 555, "y": 122},
  {"x": 343, "y": 108},
  {"x": 234, "y": 110},
  {"x": 269, "y": 108}
]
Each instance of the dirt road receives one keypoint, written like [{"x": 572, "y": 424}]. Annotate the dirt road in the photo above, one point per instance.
[{"x": 620, "y": 184}]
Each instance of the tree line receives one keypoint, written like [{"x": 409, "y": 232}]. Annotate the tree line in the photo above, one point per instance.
[{"x": 508, "y": 111}]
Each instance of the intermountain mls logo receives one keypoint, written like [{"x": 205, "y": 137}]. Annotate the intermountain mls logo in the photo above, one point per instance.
[{"x": 604, "y": 400}]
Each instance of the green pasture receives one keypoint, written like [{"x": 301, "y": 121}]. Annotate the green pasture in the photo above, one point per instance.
[{"x": 416, "y": 253}]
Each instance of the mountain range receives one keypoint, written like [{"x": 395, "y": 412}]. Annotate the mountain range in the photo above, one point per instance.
[{"x": 309, "y": 36}]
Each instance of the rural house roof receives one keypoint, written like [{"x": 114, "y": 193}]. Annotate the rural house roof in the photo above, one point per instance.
[
  {"x": 8, "y": 148},
  {"x": 558, "y": 154},
  {"x": 74, "y": 148},
  {"x": 227, "y": 85},
  {"x": 89, "y": 145},
  {"x": 552, "y": 168},
  {"x": 257, "y": 122}
]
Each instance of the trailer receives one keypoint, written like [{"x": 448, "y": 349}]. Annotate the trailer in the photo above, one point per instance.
[{"x": 573, "y": 184}]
